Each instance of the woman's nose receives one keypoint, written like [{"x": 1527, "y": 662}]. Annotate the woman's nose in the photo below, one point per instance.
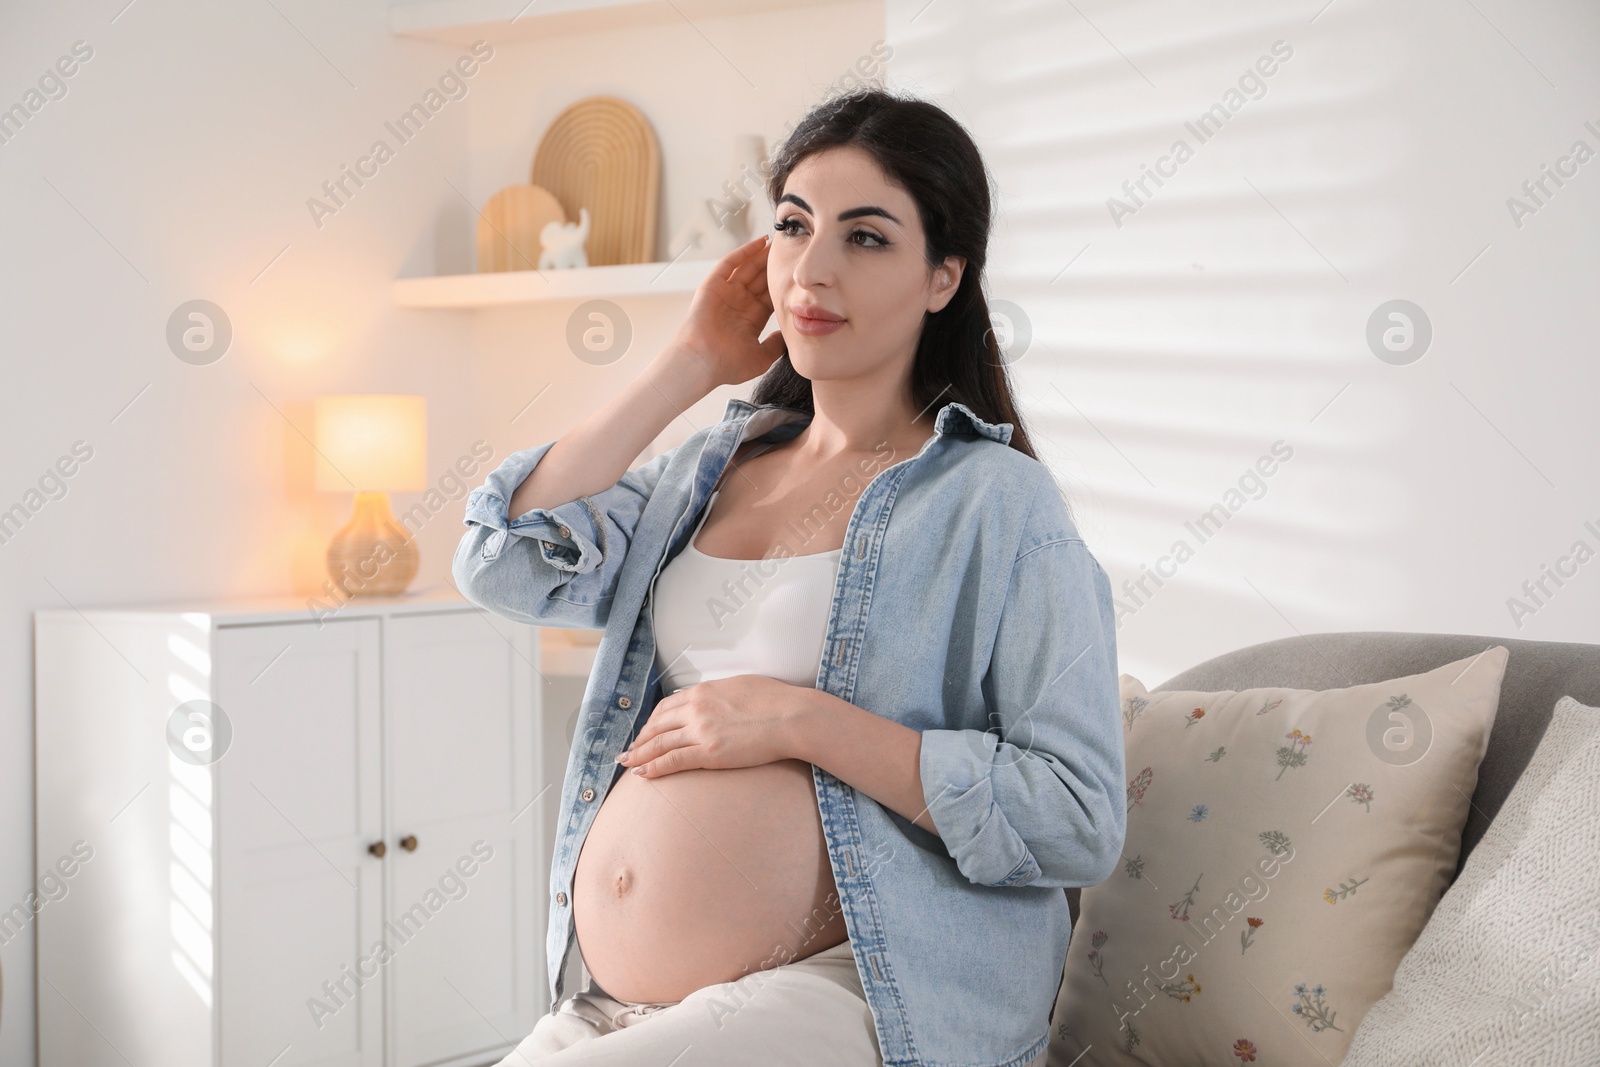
[{"x": 814, "y": 265}]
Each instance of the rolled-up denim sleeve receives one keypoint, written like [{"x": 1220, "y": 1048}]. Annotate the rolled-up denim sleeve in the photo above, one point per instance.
[
  {"x": 1038, "y": 798},
  {"x": 551, "y": 566}
]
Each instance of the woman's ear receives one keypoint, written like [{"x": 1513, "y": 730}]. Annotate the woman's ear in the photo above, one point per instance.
[{"x": 946, "y": 280}]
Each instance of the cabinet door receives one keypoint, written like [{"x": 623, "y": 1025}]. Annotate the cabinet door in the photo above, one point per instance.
[
  {"x": 299, "y": 803},
  {"x": 460, "y": 709}
]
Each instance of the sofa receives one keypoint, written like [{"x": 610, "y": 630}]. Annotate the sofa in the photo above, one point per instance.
[{"x": 1537, "y": 675}]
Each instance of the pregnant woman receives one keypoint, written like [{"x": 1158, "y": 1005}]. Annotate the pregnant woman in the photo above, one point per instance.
[{"x": 853, "y": 723}]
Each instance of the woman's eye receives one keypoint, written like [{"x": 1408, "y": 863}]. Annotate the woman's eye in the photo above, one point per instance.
[{"x": 790, "y": 226}]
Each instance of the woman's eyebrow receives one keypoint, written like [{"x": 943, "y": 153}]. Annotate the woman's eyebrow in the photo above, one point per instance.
[{"x": 844, "y": 216}]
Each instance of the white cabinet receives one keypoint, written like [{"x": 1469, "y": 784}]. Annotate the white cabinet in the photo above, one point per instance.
[{"x": 308, "y": 841}]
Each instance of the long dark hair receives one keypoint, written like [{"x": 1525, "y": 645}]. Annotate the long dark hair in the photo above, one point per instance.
[{"x": 921, "y": 148}]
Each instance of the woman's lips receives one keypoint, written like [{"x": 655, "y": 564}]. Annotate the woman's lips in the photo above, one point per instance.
[{"x": 815, "y": 327}]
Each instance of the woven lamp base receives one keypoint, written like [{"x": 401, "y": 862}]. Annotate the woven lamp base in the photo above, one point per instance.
[{"x": 372, "y": 555}]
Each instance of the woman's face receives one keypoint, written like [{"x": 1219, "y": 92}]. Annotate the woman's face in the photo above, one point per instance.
[{"x": 847, "y": 269}]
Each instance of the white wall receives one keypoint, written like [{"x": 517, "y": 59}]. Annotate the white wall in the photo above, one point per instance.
[
  {"x": 1229, "y": 311},
  {"x": 177, "y": 166}
]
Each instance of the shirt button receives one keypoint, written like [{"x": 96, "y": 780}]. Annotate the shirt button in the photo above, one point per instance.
[
  {"x": 587, "y": 795},
  {"x": 561, "y": 898},
  {"x": 624, "y": 702},
  {"x": 564, "y": 531}
]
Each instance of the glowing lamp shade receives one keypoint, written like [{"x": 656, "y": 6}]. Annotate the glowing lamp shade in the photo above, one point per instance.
[
  {"x": 376, "y": 442},
  {"x": 372, "y": 445}
]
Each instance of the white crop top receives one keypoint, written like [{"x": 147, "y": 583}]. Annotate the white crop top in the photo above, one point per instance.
[{"x": 716, "y": 617}]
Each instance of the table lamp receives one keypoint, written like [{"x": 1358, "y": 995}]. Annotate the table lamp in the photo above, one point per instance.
[{"x": 372, "y": 445}]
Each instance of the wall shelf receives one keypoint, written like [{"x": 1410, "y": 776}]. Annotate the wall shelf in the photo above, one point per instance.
[
  {"x": 530, "y": 286},
  {"x": 466, "y": 21}
]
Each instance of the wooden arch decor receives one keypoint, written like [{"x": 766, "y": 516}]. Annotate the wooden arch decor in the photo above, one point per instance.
[{"x": 601, "y": 153}]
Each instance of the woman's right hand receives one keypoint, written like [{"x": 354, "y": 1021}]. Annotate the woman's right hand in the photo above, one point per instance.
[{"x": 730, "y": 307}]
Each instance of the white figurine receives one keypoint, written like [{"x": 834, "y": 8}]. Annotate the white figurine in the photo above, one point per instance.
[
  {"x": 718, "y": 225},
  {"x": 561, "y": 243}
]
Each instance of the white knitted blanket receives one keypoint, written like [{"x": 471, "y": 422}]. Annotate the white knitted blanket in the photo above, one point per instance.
[{"x": 1507, "y": 971}]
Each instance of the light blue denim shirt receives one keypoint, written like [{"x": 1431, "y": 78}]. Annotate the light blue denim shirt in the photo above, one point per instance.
[{"x": 967, "y": 607}]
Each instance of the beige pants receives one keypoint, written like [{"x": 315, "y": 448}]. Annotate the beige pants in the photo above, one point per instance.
[{"x": 810, "y": 1012}]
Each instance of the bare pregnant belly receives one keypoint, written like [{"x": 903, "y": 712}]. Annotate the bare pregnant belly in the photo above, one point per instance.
[{"x": 702, "y": 876}]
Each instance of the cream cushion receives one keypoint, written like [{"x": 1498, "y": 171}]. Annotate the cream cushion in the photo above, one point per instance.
[
  {"x": 1284, "y": 849},
  {"x": 1508, "y": 968}
]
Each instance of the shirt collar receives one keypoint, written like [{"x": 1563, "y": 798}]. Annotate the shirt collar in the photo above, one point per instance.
[{"x": 953, "y": 419}]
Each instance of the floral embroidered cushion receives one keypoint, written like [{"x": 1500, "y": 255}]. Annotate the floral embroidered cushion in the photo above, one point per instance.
[
  {"x": 1506, "y": 970},
  {"x": 1284, "y": 849}
]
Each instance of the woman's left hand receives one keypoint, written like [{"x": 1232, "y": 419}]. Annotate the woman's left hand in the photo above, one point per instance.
[{"x": 743, "y": 721}]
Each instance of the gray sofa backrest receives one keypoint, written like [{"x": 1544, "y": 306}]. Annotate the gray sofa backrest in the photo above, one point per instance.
[{"x": 1538, "y": 673}]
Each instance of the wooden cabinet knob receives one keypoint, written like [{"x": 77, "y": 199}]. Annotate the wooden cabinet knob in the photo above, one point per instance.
[
  {"x": 409, "y": 842},
  {"x": 378, "y": 848}
]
